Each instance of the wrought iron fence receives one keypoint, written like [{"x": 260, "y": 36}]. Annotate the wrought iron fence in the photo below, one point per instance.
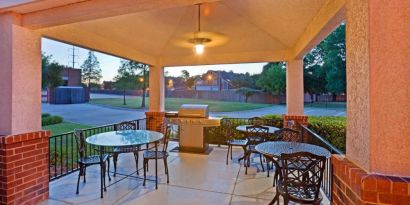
[
  {"x": 63, "y": 149},
  {"x": 216, "y": 135},
  {"x": 309, "y": 136}
]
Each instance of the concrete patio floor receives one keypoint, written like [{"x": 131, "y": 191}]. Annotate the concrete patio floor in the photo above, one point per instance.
[{"x": 194, "y": 179}]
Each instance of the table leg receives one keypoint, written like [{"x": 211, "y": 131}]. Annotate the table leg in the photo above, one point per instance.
[
  {"x": 101, "y": 171},
  {"x": 156, "y": 165}
]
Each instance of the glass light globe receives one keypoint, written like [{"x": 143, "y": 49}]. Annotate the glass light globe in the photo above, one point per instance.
[{"x": 199, "y": 48}]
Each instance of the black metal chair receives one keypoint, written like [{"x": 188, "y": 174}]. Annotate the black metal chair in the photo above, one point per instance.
[
  {"x": 286, "y": 135},
  {"x": 300, "y": 178},
  {"x": 257, "y": 121},
  {"x": 116, "y": 151},
  {"x": 162, "y": 154},
  {"x": 231, "y": 141},
  {"x": 86, "y": 160},
  {"x": 255, "y": 134}
]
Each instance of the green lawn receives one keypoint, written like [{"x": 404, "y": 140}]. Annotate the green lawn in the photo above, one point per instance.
[
  {"x": 64, "y": 127},
  {"x": 175, "y": 103}
]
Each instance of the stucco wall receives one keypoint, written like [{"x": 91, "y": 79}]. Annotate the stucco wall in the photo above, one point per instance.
[
  {"x": 20, "y": 77},
  {"x": 357, "y": 76},
  {"x": 390, "y": 86}
]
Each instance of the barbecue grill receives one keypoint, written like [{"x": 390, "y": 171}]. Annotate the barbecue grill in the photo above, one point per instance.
[{"x": 192, "y": 119}]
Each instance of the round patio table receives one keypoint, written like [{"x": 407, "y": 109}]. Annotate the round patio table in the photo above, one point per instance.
[
  {"x": 126, "y": 138},
  {"x": 272, "y": 129},
  {"x": 276, "y": 148}
]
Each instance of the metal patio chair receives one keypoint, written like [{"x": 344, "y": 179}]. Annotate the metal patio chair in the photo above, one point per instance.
[
  {"x": 161, "y": 154},
  {"x": 231, "y": 141},
  {"x": 116, "y": 151},
  {"x": 86, "y": 160},
  {"x": 300, "y": 178},
  {"x": 255, "y": 134}
]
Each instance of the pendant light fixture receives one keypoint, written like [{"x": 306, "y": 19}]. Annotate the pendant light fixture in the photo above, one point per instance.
[{"x": 199, "y": 43}]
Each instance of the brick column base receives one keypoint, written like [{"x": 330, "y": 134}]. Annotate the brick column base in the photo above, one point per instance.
[
  {"x": 353, "y": 185},
  {"x": 24, "y": 174},
  {"x": 154, "y": 120},
  {"x": 301, "y": 119}
]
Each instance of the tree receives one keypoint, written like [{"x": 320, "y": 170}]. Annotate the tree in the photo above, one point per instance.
[
  {"x": 132, "y": 75},
  {"x": 54, "y": 75},
  {"x": 334, "y": 58},
  {"x": 50, "y": 72},
  {"x": 144, "y": 71},
  {"x": 126, "y": 78},
  {"x": 325, "y": 65},
  {"x": 189, "y": 81},
  {"x": 91, "y": 71},
  {"x": 273, "y": 78},
  {"x": 243, "y": 80},
  {"x": 45, "y": 63},
  {"x": 247, "y": 92},
  {"x": 314, "y": 74}
]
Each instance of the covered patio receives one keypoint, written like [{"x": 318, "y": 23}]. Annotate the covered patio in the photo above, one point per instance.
[{"x": 376, "y": 167}]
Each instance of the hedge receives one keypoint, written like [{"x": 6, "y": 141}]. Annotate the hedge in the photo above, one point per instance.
[
  {"x": 47, "y": 119},
  {"x": 332, "y": 129}
]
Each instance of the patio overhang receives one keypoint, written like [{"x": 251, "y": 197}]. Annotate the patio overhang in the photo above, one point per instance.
[
  {"x": 146, "y": 31},
  {"x": 377, "y": 59}
]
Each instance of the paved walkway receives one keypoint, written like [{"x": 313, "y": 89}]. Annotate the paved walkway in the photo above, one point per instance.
[{"x": 91, "y": 114}]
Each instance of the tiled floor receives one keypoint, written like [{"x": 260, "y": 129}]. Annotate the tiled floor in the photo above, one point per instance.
[{"x": 194, "y": 179}]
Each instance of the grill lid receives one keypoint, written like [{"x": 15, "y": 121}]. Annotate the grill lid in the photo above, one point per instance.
[{"x": 193, "y": 110}]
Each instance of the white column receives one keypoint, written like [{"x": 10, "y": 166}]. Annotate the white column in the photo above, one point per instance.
[
  {"x": 20, "y": 77},
  {"x": 156, "y": 89},
  {"x": 294, "y": 87}
]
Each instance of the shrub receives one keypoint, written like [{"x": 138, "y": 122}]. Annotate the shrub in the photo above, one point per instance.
[
  {"x": 332, "y": 129},
  {"x": 43, "y": 115},
  {"x": 51, "y": 120}
]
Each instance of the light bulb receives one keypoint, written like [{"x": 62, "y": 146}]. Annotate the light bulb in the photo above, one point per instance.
[{"x": 199, "y": 48}]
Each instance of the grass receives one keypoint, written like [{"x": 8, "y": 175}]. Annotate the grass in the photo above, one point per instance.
[
  {"x": 175, "y": 103},
  {"x": 64, "y": 127}
]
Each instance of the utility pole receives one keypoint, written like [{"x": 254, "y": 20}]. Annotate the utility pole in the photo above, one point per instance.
[{"x": 72, "y": 59}]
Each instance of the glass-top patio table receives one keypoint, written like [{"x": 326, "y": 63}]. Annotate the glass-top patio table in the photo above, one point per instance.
[
  {"x": 126, "y": 138},
  {"x": 276, "y": 148}
]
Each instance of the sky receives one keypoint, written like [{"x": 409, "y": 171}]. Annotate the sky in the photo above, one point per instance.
[{"x": 62, "y": 53}]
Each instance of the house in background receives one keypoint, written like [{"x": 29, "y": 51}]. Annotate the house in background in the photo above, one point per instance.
[
  {"x": 71, "y": 76},
  {"x": 213, "y": 81}
]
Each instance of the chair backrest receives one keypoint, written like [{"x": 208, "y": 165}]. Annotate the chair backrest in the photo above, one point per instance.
[
  {"x": 81, "y": 143},
  {"x": 166, "y": 131},
  {"x": 256, "y": 134},
  {"x": 256, "y": 121},
  {"x": 126, "y": 125},
  {"x": 228, "y": 132},
  {"x": 289, "y": 135},
  {"x": 303, "y": 171}
]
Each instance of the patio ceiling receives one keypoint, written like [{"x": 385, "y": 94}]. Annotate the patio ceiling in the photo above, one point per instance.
[{"x": 149, "y": 31}]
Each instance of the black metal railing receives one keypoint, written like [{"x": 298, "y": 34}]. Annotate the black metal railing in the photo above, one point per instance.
[
  {"x": 63, "y": 149},
  {"x": 309, "y": 136}
]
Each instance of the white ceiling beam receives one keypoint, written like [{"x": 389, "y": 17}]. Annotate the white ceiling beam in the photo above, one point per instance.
[
  {"x": 327, "y": 19},
  {"x": 96, "y": 9}
]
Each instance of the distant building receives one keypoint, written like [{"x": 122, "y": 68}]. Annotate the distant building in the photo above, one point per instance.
[
  {"x": 175, "y": 83},
  {"x": 71, "y": 76},
  {"x": 108, "y": 85},
  {"x": 212, "y": 81}
]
